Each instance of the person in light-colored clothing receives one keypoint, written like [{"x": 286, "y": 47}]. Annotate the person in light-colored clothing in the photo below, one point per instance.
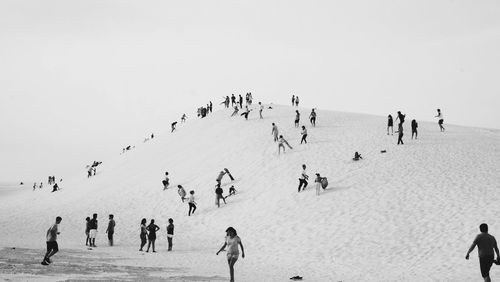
[
  {"x": 52, "y": 247},
  {"x": 232, "y": 242}
]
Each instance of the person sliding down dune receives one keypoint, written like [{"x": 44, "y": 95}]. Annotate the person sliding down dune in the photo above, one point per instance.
[{"x": 281, "y": 144}]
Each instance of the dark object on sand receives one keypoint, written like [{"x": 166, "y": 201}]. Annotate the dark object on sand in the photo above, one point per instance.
[
  {"x": 296, "y": 278},
  {"x": 383, "y": 151}
]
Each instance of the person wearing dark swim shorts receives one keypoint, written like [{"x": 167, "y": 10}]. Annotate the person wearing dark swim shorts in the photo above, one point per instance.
[{"x": 487, "y": 247}]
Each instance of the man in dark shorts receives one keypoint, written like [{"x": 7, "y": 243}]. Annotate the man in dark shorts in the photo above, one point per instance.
[
  {"x": 486, "y": 244},
  {"x": 52, "y": 247},
  {"x": 111, "y": 229}
]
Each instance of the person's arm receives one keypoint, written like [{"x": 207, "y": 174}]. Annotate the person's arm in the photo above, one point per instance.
[
  {"x": 242, "y": 250},
  {"x": 222, "y": 249},
  {"x": 496, "y": 248},
  {"x": 471, "y": 248},
  {"x": 108, "y": 227},
  {"x": 157, "y": 227}
]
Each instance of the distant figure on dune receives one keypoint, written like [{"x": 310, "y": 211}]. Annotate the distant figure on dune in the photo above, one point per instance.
[
  {"x": 191, "y": 203},
  {"x": 232, "y": 191},
  {"x": 274, "y": 132},
  {"x": 152, "y": 136},
  {"x": 304, "y": 135},
  {"x": 318, "y": 183},
  {"x": 400, "y": 133},
  {"x": 297, "y": 118},
  {"x": 34, "y": 186},
  {"x": 390, "y": 124},
  {"x": 414, "y": 126},
  {"x": 232, "y": 242},
  {"x": 293, "y": 100},
  {"x": 111, "y": 229},
  {"x": 233, "y": 100},
  {"x": 218, "y": 196},
  {"x": 486, "y": 244},
  {"x": 170, "y": 233},
  {"x": 183, "y": 118},
  {"x": 401, "y": 118},
  {"x": 87, "y": 231},
  {"x": 219, "y": 177},
  {"x": 303, "y": 178},
  {"x": 89, "y": 172},
  {"x": 93, "y": 230},
  {"x": 236, "y": 110},
  {"x": 173, "y": 126},
  {"x": 297, "y": 101},
  {"x": 210, "y": 105},
  {"x": 152, "y": 228},
  {"x": 357, "y": 157},
  {"x": 440, "y": 119},
  {"x": 245, "y": 113},
  {"x": 281, "y": 144},
  {"x": 166, "y": 181},
  {"x": 312, "y": 118},
  {"x": 52, "y": 247},
  {"x": 261, "y": 108},
  {"x": 241, "y": 101},
  {"x": 41, "y": 185},
  {"x": 182, "y": 192},
  {"x": 143, "y": 234},
  {"x": 55, "y": 188}
]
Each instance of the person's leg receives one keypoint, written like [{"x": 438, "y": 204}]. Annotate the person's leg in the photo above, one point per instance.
[
  {"x": 416, "y": 134},
  {"x": 169, "y": 243},
  {"x": 231, "y": 263},
  {"x": 300, "y": 184},
  {"x": 190, "y": 208},
  {"x": 149, "y": 245},
  {"x": 305, "y": 138},
  {"x": 143, "y": 243},
  {"x": 305, "y": 185},
  {"x": 194, "y": 208},
  {"x": 110, "y": 237},
  {"x": 218, "y": 201},
  {"x": 154, "y": 245},
  {"x": 87, "y": 241}
]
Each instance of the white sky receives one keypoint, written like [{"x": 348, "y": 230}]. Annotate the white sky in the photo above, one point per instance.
[{"x": 81, "y": 79}]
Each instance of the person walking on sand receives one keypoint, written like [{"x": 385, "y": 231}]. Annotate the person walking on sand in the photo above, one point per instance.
[
  {"x": 173, "y": 126},
  {"x": 232, "y": 242},
  {"x": 440, "y": 119},
  {"x": 191, "y": 203},
  {"x": 183, "y": 119},
  {"x": 245, "y": 113},
  {"x": 181, "y": 192},
  {"x": 312, "y": 118},
  {"x": 414, "y": 126},
  {"x": 281, "y": 144},
  {"x": 303, "y": 178},
  {"x": 236, "y": 110},
  {"x": 297, "y": 118},
  {"x": 486, "y": 244},
  {"x": 296, "y": 101},
  {"x": 170, "y": 233},
  {"x": 400, "y": 133},
  {"x": 93, "y": 230},
  {"x": 390, "y": 124},
  {"x": 143, "y": 234},
  {"x": 261, "y": 108},
  {"x": 293, "y": 100},
  {"x": 304, "y": 135},
  {"x": 241, "y": 101},
  {"x": 152, "y": 228},
  {"x": 218, "y": 196},
  {"x": 52, "y": 247},
  {"x": 274, "y": 132},
  {"x": 233, "y": 100},
  {"x": 34, "y": 186},
  {"x": 87, "y": 230},
  {"x": 111, "y": 229}
]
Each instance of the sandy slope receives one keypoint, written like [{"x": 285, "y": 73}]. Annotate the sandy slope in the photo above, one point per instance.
[{"x": 407, "y": 215}]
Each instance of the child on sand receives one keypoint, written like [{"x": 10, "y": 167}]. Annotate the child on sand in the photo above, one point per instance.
[
  {"x": 152, "y": 228},
  {"x": 143, "y": 234},
  {"x": 170, "y": 233},
  {"x": 357, "y": 157},
  {"x": 232, "y": 242},
  {"x": 192, "y": 203},
  {"x": 318, "y": 183}
]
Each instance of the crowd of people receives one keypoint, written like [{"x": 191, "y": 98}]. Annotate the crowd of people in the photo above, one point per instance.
[{"x": 148, "y": 233}]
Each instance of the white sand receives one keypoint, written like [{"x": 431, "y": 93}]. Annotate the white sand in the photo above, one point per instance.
[{"x": 407, "y": 215}]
